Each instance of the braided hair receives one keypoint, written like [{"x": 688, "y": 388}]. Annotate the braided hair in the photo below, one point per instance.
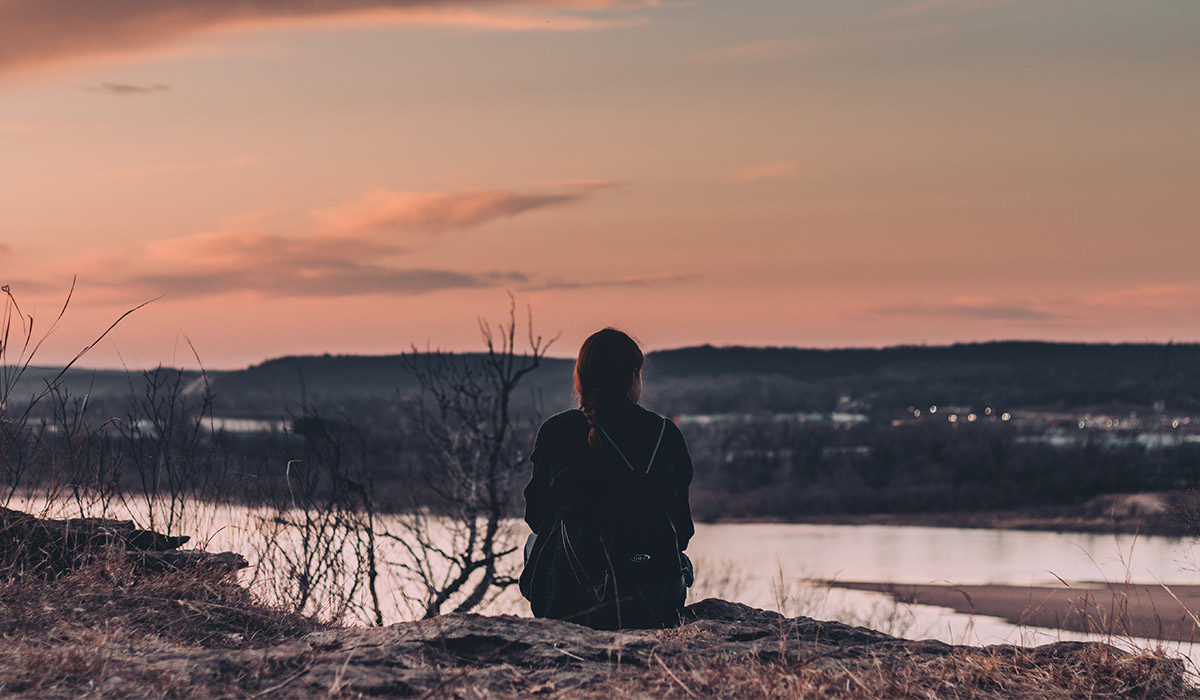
[{"x": 608, "y": 366}]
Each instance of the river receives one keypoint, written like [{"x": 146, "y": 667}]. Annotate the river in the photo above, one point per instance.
[{"x": 786, "y": 567}]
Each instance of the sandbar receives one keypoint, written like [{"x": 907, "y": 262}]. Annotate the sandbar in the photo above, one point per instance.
[{"x": 1151, "y": 611}]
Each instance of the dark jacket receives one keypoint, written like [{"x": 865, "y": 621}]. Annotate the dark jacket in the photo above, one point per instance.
[
  {"x": 579, "y": 488},
  {"x": 570, "y": 476}
]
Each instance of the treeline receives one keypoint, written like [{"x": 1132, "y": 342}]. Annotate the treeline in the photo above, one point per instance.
[
  {"x": 706, "y": 379},
  {"x": 161, "y": 443},
  {"x": 367, "y": 418},
  {"x": 763, "y": 468},
  {"x": 1052, "y": 376}
]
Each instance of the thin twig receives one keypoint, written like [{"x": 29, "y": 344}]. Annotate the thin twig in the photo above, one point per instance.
[{"x": 675, "y": 677}]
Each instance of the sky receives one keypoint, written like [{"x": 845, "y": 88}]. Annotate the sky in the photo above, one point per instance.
[{"x": 306, "y": 176}]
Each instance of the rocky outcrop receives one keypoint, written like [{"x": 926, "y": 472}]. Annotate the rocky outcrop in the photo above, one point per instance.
[
  {"x": 461, "y": 651},
  {"x": 48, "y": 546},
  {"x": 723, "y": 650}
]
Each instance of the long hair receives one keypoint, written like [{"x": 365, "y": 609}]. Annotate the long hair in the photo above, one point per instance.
[{"x": 608, "y": 364}]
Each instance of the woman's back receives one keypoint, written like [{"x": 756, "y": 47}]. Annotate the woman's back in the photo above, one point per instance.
[
  {"x": 612, "y": 521},
  {"x": 588, "y": 483},
  {"x": 608, "y": 501}
]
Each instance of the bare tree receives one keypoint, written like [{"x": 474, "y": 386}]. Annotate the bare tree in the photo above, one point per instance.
[
  {"x": 169, "y": 442},
  {"x": 455, "y": 536},
  {"x": 317, "y": 543}
]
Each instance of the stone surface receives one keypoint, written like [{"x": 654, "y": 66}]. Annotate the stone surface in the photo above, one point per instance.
[
  {"x": 48, "y": 546},
  {"x": 466, "y": 655}
]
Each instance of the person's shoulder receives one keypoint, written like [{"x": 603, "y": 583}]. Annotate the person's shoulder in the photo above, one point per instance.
[
  {"x": 557, "y": 431},
  {"x": 668, "y": 426},
  {"x": 563, "y": 421}
]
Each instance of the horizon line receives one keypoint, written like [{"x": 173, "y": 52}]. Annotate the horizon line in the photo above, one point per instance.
[{"x": 712, "y": 346}]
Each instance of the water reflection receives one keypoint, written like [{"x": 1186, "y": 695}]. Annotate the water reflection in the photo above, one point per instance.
[
  {"x": 782, "y": 566},
  {"x": 944, "y": 555}
]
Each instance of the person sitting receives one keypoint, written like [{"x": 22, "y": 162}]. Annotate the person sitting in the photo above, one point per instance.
[{"x": 608, "y": 501}]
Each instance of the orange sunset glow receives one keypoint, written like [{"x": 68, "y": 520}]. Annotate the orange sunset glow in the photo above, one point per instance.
[{"x": 305, "y": 176}]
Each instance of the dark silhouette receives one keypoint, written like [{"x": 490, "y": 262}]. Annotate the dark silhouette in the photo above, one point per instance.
[{"x": 608, "y": 501}]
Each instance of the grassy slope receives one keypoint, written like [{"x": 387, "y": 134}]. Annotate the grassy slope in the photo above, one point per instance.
[{"x": 103, "y": 631}]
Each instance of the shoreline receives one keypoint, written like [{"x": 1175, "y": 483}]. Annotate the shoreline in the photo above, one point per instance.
[
  {"x": 1151, "y": 611},
  {"x": 1003, "y": 520},
  {"x": 977, "y": 521},
  {"x": 1163, "y": 513}
]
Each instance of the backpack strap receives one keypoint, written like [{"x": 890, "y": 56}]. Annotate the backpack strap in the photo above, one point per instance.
[{"x": 657, "y": 444}]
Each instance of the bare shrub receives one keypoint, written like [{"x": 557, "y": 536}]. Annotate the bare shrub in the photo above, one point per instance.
[
  {"x": 456, "y": 538},
  {"x": 168, "y": 445},
  {"x": 316, "y": 543}
]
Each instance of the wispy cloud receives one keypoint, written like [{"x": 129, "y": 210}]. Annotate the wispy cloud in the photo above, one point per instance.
[
  {"x": 977, "y": 310},
  {"x": 257, "y": 260},
  {"x": 781, "y": 170},
  {"x": 23, "y": 286},
  {"x": 1161, "y": 296},
  {"x": 328, "y": 278},
  {"x": 774, "y": 49},
  {"x": 38, "y": 32},
  {"x": 352, "y": 249},
  {"x": 435, "y": 212},
  {"x": 128, "y": 89},
  {"x": 1127, "y": 307}
]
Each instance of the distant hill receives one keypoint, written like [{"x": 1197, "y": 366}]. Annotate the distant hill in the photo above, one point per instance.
[
  {"x": 1010, "y": 373},
  {"x": 78, "y": 382},
  {"x": 707, "y": 379},
  {"x": 286, "y": 380},
  {"x": 717, "y": 379}
]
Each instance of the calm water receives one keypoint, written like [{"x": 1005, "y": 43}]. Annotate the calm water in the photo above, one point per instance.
[
  {"x": 943, "y": 555},
  {"x": 779, "y": 567}
]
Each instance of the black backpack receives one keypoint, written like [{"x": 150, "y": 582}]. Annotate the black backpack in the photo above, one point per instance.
[{"x": 625, "y": 572}]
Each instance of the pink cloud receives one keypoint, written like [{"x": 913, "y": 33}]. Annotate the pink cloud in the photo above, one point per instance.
[
  {"x": 1148, "y": 297},
  {"x": 435, "y": 212},
  {"x": 128, "y": 89},
  {"x": 978, "y": 309},
  {"x": 1127, "y": 308},
  {"x": 249, "y": 247},
  {"x": 346, "y": 250},
  {"x": 39, "y": 32},
  {"x": 257, "y": 260}
]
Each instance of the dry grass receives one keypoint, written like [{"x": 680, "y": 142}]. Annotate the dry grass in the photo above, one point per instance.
[
  {"x": 1097, "y": 672},
  {"x": 106, "y": 631},
  {"x": 77, "y": 635}
]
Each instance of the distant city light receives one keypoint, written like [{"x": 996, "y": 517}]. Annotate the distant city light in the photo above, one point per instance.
[
  {"x": 953, "y": 418},
  {"x": 1006, "y": 416},
  {"x": 1082, "y": 425},
  {"x": 916, "y": 413},
  {"x": 1175, "y": 423},
  {"x": 971, "y": 417},
  {"x": 987, "y": 411},
  {"x": 933, "y": 409}
]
